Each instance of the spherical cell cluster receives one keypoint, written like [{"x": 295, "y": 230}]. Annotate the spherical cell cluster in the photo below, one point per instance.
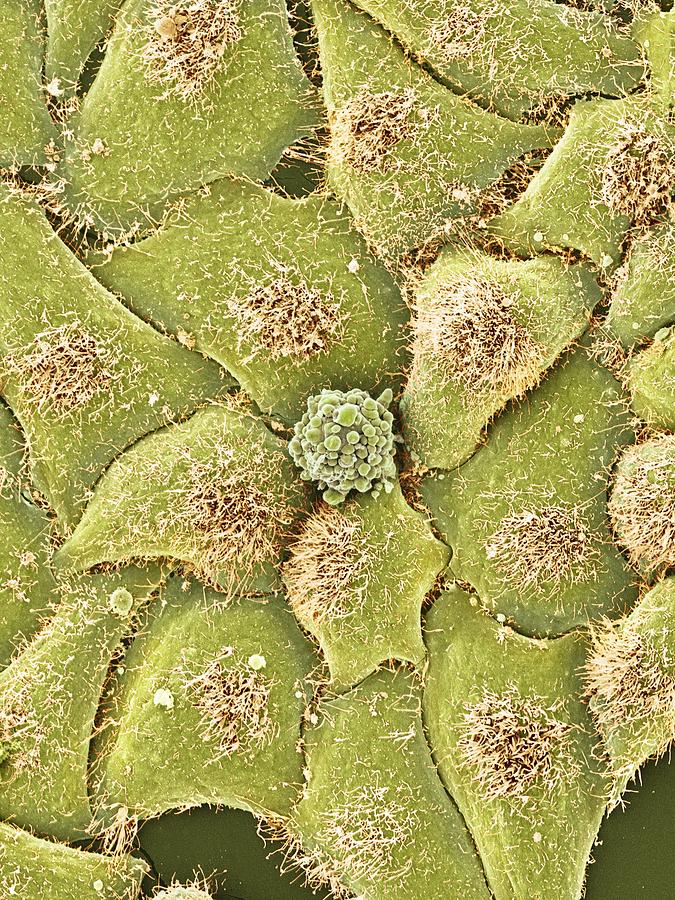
[{"x": 345, "y": 442}]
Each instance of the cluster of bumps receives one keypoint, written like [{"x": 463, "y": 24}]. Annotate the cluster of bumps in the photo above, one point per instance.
[
  {"x": 345, "y": 442},
  {"x": 337, "y": 452}
]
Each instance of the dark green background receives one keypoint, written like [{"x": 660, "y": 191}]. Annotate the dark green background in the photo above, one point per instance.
[{"x": 634, "y": 860}]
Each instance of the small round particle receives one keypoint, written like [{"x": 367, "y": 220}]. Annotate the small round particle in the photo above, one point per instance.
[
  {"x": 257, "y": 662},
  {"x": 346, "y": 415},
  {"x": 121, "y": 601},
  {"x": 163, "y": 698}
]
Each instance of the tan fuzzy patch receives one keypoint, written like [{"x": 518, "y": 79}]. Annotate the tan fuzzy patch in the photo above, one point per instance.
[
  {"x": 233, "y": 702},
  {"x": 197, "y": 889},
  {"x": 369, "y": 126},
  {"x": 367, "y": 827},
  {"x": 627, "y": 676},
  {"x": 325, "y": 562},
  {"x": 63, "y": 369},
  {"x": 316, "y": 867},
  {"x": 549, "y": 543},
  {"x": 638, "y": 178},
  {"x": 461, "y": 34},
  {"x": 237, "y": 522},
  {"x": 286, "y": 319},
  {"x": 642, "y": 503},
  {"x": 186, "y": 43},
  {"x": 515, "y": 743},
  {"x": 20, "y": 732},
  {"x": 467, "y": 328}
]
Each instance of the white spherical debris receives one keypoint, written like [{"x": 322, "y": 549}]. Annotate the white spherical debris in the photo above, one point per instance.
[
  {"x": 121, "y": 601},
  {"x": 164, "y": 698}
]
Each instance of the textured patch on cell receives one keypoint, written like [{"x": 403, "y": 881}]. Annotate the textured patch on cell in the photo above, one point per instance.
[
  {"x": 630, "y": 683},
  {"x": 186, "y": 42},
  {"x": 642, "y": 504}
]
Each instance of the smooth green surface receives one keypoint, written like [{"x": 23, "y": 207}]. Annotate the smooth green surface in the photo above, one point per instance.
[
  {"x": 551, "y": 451},
  {"x": 644, "y": 298},
  {"x": 444, "y": 412},
  {"x": 237, "y": 238},
  {"x": 634, "y": 858},
  {"x": 26, "y": 128},
  {"x": 533, "y": 840},
  {"x": 157, "y": 144},
  {"x": 451, "y": 151},
  {"x": 514, "y": 56},
  {"x": 225, "y": 845},
  {"x": 50, "y": 305},
  {"x": 192, "y": 492},
  {"x": 159, "y": 756}
]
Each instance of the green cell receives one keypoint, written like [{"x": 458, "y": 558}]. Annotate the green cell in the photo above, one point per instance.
[
  {"x": 162, "y": 118},
  {"x": 516, "y": 58},
  {"x": 356, "y": 579},
  {"x": 342, "y": 458},
  {"x": 406, "y": 154},
  {"x": 32, "y": 868},
  {"x": 26, "y": 581},
  {"x": 27, "y": 129},
  {"x": 485, "y": 332},
  {"x": 282, "y": 292},
  {"x": 630, "y": 679},
  {"x": 207, "y": 709},
  {"x": 49, "y": 695},
  {"x": 84, "y": 377},
  {"x": 644, "y": 298},
  {"x": 516, "y": 748},
  {"x": 612, "y": 168},
  {"x": 374, "y": 812},
  {"x": 217, "y": 492},
  {"x": 526, "y": 516},
  {"x": 651, "y": 379},
  {"x": 642, "y": 504}
]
